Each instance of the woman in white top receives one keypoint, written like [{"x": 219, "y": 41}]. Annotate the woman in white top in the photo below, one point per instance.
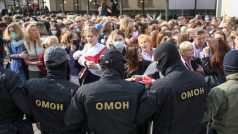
[
  {"x": 145, "y": 43},
  {"x": 90, "y": 55},
  {"x": 32, "y": 46}
]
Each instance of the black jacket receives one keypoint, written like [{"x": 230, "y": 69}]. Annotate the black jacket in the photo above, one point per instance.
[
  {"x": 47, "y": 100},
  {"x": 141, "y": 69},
  {"x": 8, "y": 83},
  {"x": 107, "y": 106},
  {"x": 212, "y": 77},
  {"x": 179, "y": 100},
  {"x": 11, "y": 118}
]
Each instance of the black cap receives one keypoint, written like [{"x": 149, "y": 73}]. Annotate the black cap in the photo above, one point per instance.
[
  {"x": 230, "y": 62},
  {"x": 110, "y": 56},
  {"x": 55, "y": 55}
]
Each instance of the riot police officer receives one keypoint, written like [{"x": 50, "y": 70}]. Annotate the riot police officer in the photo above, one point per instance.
[
  {"x": 109, "y": 105},
  {"x": 11, "y": 118},
  {"x": 177, "y": 101},
  {"x": 47, "y": 98}
]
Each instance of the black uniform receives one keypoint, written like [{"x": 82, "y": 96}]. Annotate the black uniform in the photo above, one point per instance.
[
  {"x": 47, "y": 98},
  {"x": 108, "y": 106},
  {"x": 11, "y": 118},
  {"x": 179, "y": 98}
]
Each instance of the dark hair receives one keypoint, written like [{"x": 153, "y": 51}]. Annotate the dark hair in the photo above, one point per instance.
[
  {"x": 132, "y": 58},
  {"x": 199, "y": 32},
  {"x": 184, "y": 36},
  {"x": 218, "y": 50},
  {"x": 221, "y": 33},
  {"x": 118, "y": 32},
  {"x": 57, "y": 29},
  {"x": 3, "y": 24}
]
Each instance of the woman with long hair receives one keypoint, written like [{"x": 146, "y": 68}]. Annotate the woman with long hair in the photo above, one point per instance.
[
  {"x": 71, "y": 47},
  {"x": 135, "y": 65},
  {"x": 32, "y": 46},
  {"x": 90, "y": 55},
  {"x": 213, "y": 62},
  {"x": 15, "y": 37},
  {"x": 117, "y": 41}
]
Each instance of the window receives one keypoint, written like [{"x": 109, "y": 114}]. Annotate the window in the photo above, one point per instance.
[
  {"x": 147, "y": 3},
  {"x": 125, "y": 3}
]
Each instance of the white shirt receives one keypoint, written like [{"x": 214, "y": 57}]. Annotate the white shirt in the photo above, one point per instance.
[{"x": 89, "y": 50}]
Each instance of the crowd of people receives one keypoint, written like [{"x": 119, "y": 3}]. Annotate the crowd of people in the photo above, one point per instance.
[{"x": 98, "y": 74}]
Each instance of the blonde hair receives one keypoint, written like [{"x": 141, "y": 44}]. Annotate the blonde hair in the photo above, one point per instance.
[
  {"x": 42, "y": 29},
  {"x": 124, "y": 24},
  {"x": 27, "y": 33},
  {"x": 92, "y": 30},
  {"x": 184, "y": 46},
  {"x": 17, "y": 29},
  {"x": 144, "y": 37},
  {"x": 49, "y": 41},
  {"x": 65, "y": 39}
]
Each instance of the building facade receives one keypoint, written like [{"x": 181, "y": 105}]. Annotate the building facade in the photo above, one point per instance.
[{"x": 176, "y": 7}]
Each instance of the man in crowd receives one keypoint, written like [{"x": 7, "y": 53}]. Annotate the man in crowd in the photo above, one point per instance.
[
  {"x": 11, "y": 118},
  {"x": 47, "y": 98},
  {"x": 109, "y": 105},
  {"x": 199, "y": 44},
  {"x": 222, "y": 100},
  {"x": 176, "y": 101}
]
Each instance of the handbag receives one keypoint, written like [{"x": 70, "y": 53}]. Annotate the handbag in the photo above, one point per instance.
[{"x": 83, "y": 73}]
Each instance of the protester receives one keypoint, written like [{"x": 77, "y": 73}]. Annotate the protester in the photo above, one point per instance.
[
  {"x": 135, "y": 65},
  {"x": 32, "y": 46},
  {"x": 15, "y": 37},
  {"x": 212, "y": 62},
  {"x": 123, "y": 33},
  {"x": 145, "y": 43},
  {"x": 187, "y": 52},
  {"x": 90, "y": 55}
]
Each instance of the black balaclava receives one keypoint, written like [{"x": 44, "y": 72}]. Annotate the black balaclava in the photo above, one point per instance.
[
  {"x": 116, "y": 68},
  {"x": 58, "y": 71},
  {"x": 230, "y": 62},
  {"x": 112, "y": 62},
  {"x": 167, "y": 55}
]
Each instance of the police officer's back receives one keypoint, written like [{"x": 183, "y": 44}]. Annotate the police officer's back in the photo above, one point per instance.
[
  {"x": 181, "y": 95},
  {"x": 11, "y": 118},
  {"x": 108, "y": 105},
  {"x": 47, "y": 98}
]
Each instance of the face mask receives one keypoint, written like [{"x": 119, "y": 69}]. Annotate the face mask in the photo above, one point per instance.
[
  {"x": 118, "y": 45},
  {"x": 13, "y": 35},
  {"x": 135, "y": 34},
  {"x": 76, "y": 42},
  {"x": 63, "y": 30},
  {"x": 190, "y": 40},
  {"x": 54, "y": 32},
  {"x": 77, "y": 30}
]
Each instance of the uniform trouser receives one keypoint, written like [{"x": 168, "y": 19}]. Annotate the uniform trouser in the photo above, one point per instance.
[{"x": 16, "y": 127}]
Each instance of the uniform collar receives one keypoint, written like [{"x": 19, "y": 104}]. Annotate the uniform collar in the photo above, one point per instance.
[
  {"x": 56, "y": 74},
  {"x": 176, "y": 66},
  {"x": 233, "y": 76},
  {"x": 110, "y": 74}
]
